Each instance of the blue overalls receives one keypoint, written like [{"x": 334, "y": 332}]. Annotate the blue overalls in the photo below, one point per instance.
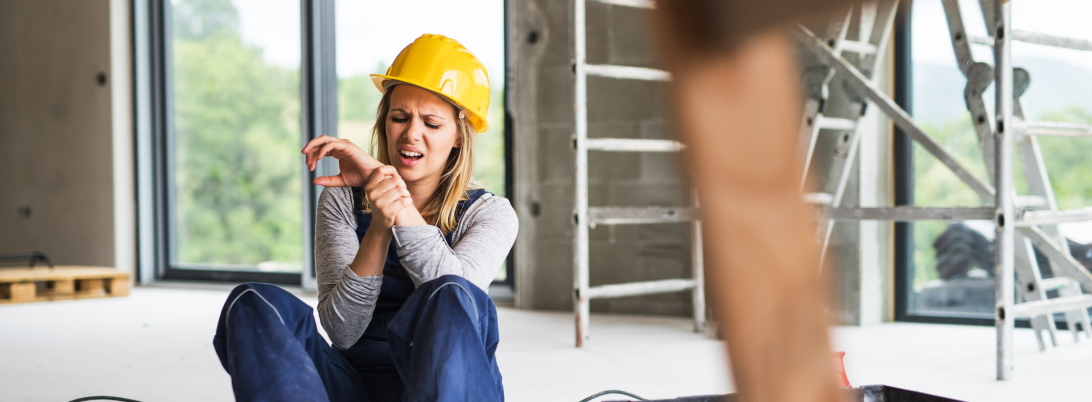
[{"x": 433, "y": 343}]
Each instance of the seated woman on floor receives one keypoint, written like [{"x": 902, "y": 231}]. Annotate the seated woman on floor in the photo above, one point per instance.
[{"x": 405, "y": 243}]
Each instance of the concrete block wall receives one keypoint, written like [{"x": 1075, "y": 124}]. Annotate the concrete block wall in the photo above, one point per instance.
[
  {"x": 542, "y": 105},
  {"x": 56, "y": 156}
]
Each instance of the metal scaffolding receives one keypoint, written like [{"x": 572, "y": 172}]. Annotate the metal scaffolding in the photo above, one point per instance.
[
  {"x": 1021, "y": 221},
  {"x": 586, "y": 217}
]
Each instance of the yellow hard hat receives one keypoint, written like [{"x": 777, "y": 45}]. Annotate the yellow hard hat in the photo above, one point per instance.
[{"x": 444, "y": 66}]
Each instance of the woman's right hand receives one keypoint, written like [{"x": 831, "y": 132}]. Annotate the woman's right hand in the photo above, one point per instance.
[
  {"x": 354, "y": 164},
  {"x": 387, "y": 195}
]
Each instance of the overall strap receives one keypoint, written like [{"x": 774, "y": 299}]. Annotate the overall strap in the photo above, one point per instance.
[{"x": 472, "y": 197}]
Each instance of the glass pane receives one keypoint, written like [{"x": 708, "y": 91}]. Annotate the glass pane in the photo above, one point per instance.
[
  {"x": 952, "y": 273},
  {"x": 236, "y": 178},
  {"x": 368, "y": 39}
]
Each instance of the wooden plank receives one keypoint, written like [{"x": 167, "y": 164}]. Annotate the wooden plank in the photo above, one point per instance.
[
  {"x": 22, "y": 292},
  {"x": 63, "y": 287},
  {"x": 117, "y": 287},
  {"x": 90, "y": 287}
]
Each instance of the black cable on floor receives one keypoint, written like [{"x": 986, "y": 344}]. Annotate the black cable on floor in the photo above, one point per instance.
[
  {"x": 103, "y": 398},
  {"x": 612, "y": 391}
]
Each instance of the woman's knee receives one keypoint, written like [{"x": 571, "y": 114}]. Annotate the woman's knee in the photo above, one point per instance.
[
  {"x": 263, "y": 295},
  {"x": 453, "y": 287},
  {"x": 449, "y": 279}
]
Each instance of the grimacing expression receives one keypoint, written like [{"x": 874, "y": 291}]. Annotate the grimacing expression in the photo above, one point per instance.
[{"x": 421, "y": 133}]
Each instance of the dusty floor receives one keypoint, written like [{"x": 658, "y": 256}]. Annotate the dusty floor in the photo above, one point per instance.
[{"x": 155, "y": 346}]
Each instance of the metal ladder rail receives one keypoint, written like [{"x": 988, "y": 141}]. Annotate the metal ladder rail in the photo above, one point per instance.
[
  {"x": 586, "y": 217},
  {"x": 998, "y": 16},
  {"x": 817, "y": 82}
]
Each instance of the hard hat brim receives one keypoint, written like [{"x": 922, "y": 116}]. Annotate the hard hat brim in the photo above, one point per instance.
[{"x": 479, "y": 122}]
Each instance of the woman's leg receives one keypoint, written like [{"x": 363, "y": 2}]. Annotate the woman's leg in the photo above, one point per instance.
[
  {"x": 443, "y": 342},
  {"x": 268, "y": 343}
]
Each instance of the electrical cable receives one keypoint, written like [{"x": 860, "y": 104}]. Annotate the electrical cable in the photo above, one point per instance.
[
  {"x": 103, "y": 398},
  {"x": 612, "y": 391}
]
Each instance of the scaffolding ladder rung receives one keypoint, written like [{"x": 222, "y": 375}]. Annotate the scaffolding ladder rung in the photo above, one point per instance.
[
  {"x": 1059, "y": 282},
  {"x": 627, "y": 72},
  {"x": 646, "y": 4},
  {"x": 1031, "y": 201},
  {"x": 1035, "y": 218},
  {"x": 1057, "y": 129},
  {"x": 1051, "y": 306},
  {"x": 638, "y": 215},
  {"x": 858, "y": 47},
  {"x": 640, "y": 288},
  {"x": 908, "y": 213},
  {"x": 837, "y": 123},
  {"x": 819, "y": 198},
  {"x": 1039, "y": 39},
  {"x": 633, "y": 145}
]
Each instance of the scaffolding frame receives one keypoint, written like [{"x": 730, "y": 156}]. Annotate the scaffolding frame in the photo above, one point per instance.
[
  {"x": 1020, "y": 222},
  {"x": 586, "y": 217}
]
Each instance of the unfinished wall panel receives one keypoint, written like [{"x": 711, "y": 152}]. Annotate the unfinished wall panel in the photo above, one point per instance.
[{"x": 56, "y": 185}]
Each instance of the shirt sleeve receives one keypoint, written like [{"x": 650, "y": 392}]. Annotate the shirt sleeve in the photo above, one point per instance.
[
  {"x": 490, "y": 231},
  {"x": 346, "y": 300}
]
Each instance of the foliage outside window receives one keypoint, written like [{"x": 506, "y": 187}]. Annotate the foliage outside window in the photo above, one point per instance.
[{"x": 236, "y": 174}]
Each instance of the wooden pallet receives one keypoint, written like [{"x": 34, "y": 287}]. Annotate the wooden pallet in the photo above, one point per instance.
[{"x": 19, "y": 285}]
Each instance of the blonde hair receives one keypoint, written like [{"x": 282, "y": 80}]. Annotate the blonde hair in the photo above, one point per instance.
[{"x": 458, "y": 173}]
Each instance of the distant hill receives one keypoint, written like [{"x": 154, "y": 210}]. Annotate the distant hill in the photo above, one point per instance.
[{"x": 938, "y": 89}]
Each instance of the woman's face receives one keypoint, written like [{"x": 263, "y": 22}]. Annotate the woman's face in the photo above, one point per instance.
[{"x": 421, "y": 133}]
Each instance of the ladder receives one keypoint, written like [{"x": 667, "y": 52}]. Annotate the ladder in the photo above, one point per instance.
[
  {"x": 873, "y": 22},
  {"x": 1031, "y": 286},
  {"x": 587, "y": 217}
]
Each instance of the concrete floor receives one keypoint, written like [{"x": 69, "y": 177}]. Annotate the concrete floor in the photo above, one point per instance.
[{"x": 155, "y": 346}]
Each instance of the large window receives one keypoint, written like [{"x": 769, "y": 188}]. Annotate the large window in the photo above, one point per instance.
[
  {"x": 369, "y": 36},
  {"x": 234, "y": 177},
  {"x": 949, "y": 269}
]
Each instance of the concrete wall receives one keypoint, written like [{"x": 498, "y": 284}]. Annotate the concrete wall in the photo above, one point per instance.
[
  {"x": 542, "y": 105},
  {"x": 56, "y": 166}
]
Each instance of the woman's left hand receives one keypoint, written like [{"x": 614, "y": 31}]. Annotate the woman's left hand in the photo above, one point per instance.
[
  {"x": 354, "y": 165},
  {"x": 387, "y": 195}
]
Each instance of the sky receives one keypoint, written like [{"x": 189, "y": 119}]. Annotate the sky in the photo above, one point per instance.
[
  {"x": 1057, "y": 17},
  {"x": 373, "y": 32}
]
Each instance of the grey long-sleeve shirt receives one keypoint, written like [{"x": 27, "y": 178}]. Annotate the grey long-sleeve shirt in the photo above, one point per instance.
[{"x": 481, "y": 241}]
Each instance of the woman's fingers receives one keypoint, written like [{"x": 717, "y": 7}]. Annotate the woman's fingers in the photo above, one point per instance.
[
  {"x": 389, "y": 204},
  {"x": 314, "y": 143},
  {"x": 322, "y": 139},
  {"x": 379, "y": 174},
  {"x": 324, "y": 146},
  {"x": 386, "y": 179},
  {"x": 330, "y": 181},
  {"x": 391, "y": 186}
]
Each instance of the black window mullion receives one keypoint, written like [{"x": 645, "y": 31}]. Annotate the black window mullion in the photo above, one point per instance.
[{"x": 318, "y": 90}]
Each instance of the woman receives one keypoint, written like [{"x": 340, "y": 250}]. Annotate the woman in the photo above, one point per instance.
[{"x": 404, "y": 245}]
